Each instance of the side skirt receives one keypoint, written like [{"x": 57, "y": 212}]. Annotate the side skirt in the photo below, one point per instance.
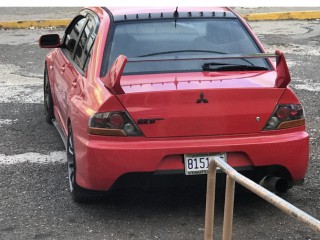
[{"x": 63, "y": 137}]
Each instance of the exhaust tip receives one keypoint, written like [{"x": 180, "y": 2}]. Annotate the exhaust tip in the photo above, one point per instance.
[
  {"x": 282, "y": 185},
  {"x": 275, "y": 184}
]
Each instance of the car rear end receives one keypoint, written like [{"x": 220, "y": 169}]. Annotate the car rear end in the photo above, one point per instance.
[{"x": 182, "y": 99}]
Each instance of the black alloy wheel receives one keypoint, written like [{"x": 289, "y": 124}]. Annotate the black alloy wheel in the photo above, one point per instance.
[
  {"x": 78, "y": 194},
  {"x": 48, "y": 102}
]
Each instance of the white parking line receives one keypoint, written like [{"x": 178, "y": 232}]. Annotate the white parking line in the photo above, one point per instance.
[
  {"x": 312, "y": 87},
  {"x": 53, "y": 157},
  {"x": 4, "y": 122}
]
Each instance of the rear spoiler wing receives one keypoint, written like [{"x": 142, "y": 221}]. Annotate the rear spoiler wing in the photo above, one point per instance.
[{"x": 112, "y": 78}]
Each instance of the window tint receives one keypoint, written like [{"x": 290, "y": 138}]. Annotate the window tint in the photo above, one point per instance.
[
  {"x": 84, "y": 46},
  {"x": 194, "y": 38},
  {"x": 72, "y": 34}
]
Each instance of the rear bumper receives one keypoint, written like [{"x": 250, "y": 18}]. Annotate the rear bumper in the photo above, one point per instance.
[{"x": 103, "y": 160}]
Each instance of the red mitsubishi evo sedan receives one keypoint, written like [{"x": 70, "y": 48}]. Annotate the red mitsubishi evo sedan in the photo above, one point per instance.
[{"x": 138, "y": 93}]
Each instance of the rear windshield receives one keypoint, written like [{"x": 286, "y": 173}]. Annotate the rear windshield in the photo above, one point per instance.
[{"x": 180, "y": 39}]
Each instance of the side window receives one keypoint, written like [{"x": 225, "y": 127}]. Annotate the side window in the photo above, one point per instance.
[
  {"x": 72, "y": 34},
  {"x": 83, "y": 50}
]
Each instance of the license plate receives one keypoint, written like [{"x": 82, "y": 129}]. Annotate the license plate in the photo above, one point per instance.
[{"x": 195, "y": 164}]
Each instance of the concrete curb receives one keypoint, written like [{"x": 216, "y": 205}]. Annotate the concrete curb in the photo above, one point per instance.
[
  {"x": 35, "y": 23},
  {"x": 299, "y": 15}
]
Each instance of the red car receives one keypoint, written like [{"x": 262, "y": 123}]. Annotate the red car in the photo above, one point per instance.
[{"x": 142, "y": 94}]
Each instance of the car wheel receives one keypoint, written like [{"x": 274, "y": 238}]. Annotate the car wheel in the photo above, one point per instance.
[
  {"x": 78, "y": 194},
  {"x": 48, "y": 102}
]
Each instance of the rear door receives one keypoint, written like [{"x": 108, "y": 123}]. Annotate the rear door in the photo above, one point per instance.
[
  {"x": 64, "y": 70},
  {"x": 75, "y": 55}
]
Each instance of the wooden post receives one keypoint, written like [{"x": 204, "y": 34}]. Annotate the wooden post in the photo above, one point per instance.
[
  {"x": 210, "y": 199},
  {"x": 228, "y": 209}
]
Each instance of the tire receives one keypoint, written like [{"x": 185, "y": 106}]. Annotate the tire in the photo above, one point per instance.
[
  {"x": 48, "y": 102},
  {"x": 78, "y": 194}
]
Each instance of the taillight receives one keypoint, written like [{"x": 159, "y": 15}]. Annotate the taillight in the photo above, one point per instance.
[
  {"x": 113, "y": 124},
  {"x": 286, "y": 116}
]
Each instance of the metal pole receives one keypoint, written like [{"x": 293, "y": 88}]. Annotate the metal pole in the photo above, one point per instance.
[
  {"x": 228, "y": 209},
  {"x": 210, "y": 198},
  {"x": 269, "y": 196}
]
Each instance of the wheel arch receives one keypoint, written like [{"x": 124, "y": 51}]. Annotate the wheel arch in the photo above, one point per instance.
[{"x": 50, "y": 77}]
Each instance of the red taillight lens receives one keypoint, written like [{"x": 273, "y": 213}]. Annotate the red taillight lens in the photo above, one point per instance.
[
  {"x": 286, "y": 116},
  {"x": 283, "y": 113},
  {"x": 116, "y": 120},
  {"x": 113, "y": 124},
  {"x": 289, "y": 112}
]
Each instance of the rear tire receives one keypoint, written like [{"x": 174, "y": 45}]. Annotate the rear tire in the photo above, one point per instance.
[
  {"x": 48, "y": 102},
  {"x": 78, "y": 194}
]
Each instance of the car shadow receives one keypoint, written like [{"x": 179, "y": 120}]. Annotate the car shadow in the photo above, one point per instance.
[{"x": 166, "y": 200}]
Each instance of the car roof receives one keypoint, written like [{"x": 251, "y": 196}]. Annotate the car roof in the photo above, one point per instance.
[
  {"x": 117, "y": 11},
  {"x": 143, "y": 13}
]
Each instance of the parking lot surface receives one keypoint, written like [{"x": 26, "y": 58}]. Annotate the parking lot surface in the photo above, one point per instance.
[{"x": 35, "y": 203}]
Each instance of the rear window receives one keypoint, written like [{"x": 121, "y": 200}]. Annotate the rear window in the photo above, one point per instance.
[{"x": 183, "y": 38}]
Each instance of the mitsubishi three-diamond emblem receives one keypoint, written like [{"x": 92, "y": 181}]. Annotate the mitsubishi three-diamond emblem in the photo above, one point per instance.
[{"x": 202, "y": 99}]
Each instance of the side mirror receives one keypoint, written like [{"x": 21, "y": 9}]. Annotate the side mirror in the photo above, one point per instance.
[{"x": 50, "y": 41}]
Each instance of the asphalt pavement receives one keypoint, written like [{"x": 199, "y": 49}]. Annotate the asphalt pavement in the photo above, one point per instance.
[{"x": 35, "y": 202}]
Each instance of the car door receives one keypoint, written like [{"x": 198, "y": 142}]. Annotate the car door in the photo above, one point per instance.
[
  {"x": 77, "y": 72},
  {"x": 81, "y": 59},
  {"x": 64, "y": 71}
]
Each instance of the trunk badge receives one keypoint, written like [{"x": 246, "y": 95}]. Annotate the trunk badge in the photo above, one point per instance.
[
  {"x": 202, "y": 99},
  {"x": 149, "y": 120}
]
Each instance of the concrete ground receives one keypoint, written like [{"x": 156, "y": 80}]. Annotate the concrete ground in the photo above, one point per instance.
[
  {"x": 37, "y": 13},
  {"x": 35, "y": 202},
  {"x": 250, "y": 10}
]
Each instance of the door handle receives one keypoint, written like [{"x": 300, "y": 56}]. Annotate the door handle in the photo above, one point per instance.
[
  {"x": 63, "y": 68},
  {"x": 83, "y": 95},
  {"x": 74, "y": 83}
]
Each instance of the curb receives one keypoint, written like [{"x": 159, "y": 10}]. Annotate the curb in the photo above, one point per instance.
[
  {"x": 35, "y": 23},
  {"x": 299, "y": 15}
]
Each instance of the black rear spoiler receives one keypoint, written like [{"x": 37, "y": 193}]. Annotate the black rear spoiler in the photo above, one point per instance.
[{"x": 112, "y": 78}]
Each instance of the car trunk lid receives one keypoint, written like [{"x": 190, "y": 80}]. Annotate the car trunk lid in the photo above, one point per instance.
[{"x": 199, "y": 104}]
